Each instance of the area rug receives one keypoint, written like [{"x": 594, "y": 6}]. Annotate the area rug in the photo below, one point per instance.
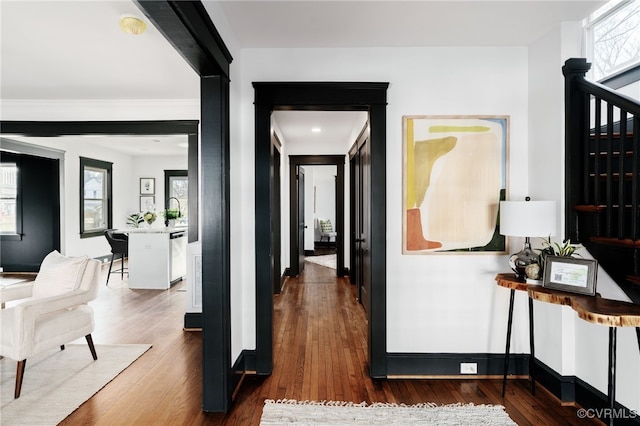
[
  {"x": 328, "y": 260},
  {"x": 57, "y": 382},
  {"x": 283, "y": 412}
]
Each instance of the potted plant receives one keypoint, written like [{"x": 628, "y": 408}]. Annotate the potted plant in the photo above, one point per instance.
[
  {"x": 134, "y": 220},
  {"x": 535, "y": 271},
  {"x": 170, "y": 215}
]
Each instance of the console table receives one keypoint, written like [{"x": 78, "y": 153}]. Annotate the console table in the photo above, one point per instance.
[
  {"x": 611, "y": 313},
  {"x": 594, "y": 309}
]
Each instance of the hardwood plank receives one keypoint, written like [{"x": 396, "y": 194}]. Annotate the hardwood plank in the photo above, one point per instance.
[{"x": 319, "y": 353}]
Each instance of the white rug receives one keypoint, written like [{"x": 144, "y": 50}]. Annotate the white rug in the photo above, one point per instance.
[
  {"x": 57, "y": 382},
  {"x": 328, "y": 260},
  {"x": 347, "y": 413}
]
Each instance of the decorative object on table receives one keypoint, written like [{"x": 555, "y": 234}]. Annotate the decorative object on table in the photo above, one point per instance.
[
  {"x": 147, "y": 186},
  {"x": 150, "y": 217},
  {"x": 170, "y": 215},
  {"x": 551, "y": 249},
  {"x": 134, "y": 220},
  {"x": 443, "y": 157},
  {"x": 147, "y": 202},
  {"x": 570, "y": 274},
  {"x": 526, "y": 219}
]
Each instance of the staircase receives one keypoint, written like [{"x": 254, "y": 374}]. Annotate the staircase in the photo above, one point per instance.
[{"x": 602, "y": 175}]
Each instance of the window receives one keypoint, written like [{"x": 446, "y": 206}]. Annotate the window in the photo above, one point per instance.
[
  {"x": 10, "y": 212},
  {"x": 95, "y": 197},
  {"x": 613, "y": 38},
  {"x": 176, "y": 187}
]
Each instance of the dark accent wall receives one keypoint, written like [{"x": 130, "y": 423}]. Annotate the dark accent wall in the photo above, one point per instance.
[{"x": 40, "y": 197}]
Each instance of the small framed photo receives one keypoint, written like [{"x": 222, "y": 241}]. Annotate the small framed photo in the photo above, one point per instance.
[
  {"x": 147, "y": 186},
  {"x": 147, "y": 203},
  {"x": 570, "y": 274}
]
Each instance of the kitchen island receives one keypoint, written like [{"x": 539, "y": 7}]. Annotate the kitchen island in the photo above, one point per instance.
[{"x": 157, "y": 257}]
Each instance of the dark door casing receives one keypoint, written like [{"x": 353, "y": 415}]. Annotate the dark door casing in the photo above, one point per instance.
[{"x": 301, "y": 224}]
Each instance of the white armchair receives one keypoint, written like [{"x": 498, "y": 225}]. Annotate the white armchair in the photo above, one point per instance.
[{"x": 55, "y": 313}]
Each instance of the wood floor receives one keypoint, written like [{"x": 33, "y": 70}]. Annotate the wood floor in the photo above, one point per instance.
[{"x": 320, "y": 354}]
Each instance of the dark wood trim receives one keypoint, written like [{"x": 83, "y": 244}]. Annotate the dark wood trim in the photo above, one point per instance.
[
  {"x": 188, "y": 27},
  {"x": 193, "y": 158},
  {"x": 334, "y": 96},
  {"x": 70, "y": 128},
  {"x": 216, "y": 300},
  {"x": 193, "y": 321},
  {"x": 317, "y": 160},
  {"x": 100, "y": 164},
  {"x": 448, "y": 364},
  {"x": 623, "y": 78}
]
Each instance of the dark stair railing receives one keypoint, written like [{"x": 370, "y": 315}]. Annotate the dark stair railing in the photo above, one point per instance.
[{"x": 602, "y": 182}]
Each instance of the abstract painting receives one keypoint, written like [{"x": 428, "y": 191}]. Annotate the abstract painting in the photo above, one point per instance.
[{"x": 454, "y": 176}]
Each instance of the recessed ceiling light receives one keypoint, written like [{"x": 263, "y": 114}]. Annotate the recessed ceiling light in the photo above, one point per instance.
[{"x": 316, "y": 129}]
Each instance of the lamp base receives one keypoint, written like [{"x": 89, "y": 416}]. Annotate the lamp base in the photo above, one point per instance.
[{"x": 519, "y": 261}]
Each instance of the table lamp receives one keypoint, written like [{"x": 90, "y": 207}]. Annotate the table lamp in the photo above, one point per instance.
[{"x": 526, "y": 219}]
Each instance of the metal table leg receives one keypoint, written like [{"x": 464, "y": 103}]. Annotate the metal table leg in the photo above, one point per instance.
[
  {"x": 506, "y": 351},
  {"x": 612, "y": 372},
  {"x": 532, "y": 349}
]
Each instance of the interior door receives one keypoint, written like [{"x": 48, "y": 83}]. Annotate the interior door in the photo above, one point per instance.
[
  {"x": 365, "y": 223},
  {"x": 301, "y": 224},
  {"x": 360, "y": 220}
]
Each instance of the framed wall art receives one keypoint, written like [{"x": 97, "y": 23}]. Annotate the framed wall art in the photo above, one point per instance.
[
  {"x": 147, "y": 203},
  {"x": 454, "y": 177},
  {"x": 570, "y": 274},
  {"x": 147, "y": 186}
]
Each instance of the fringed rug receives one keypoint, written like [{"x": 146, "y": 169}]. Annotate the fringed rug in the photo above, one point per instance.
[
  {"x": 287, "y": 412},
  {"x": 328, "y": 260},
  {"x": 57, "y": 382}
]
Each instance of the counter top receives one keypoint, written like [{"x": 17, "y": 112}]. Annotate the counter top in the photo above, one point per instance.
[{"x": 158, "y": 230}]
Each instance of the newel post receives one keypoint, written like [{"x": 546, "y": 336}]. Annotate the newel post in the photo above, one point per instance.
[{"x": 576, "y": 118}]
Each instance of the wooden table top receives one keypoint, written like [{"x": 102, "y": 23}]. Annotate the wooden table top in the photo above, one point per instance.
[
  {"x": 594, "y": 309},
  {"x": 510, "y": 281}
]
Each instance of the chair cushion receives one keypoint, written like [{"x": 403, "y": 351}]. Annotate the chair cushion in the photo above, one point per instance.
[
  {"x": 325, "y": 226},
  {"x": 59, "y": 274}
]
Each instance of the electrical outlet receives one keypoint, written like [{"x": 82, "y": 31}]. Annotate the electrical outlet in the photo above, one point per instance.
[{"x": 468, "y": 368}]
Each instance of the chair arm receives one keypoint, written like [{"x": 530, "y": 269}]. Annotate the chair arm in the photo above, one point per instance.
[
  {"x": 16, "y": 291},
  {"x": 30, "y": 309}
]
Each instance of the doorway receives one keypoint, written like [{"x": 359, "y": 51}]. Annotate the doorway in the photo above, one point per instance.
[
  {"x": 322, "y": 96},
  {"x": 297, "y": 225}
]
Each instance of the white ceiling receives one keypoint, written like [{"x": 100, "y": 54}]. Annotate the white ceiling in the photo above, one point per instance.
[
  {"x": 363, "y": 23},
  {"x": 53, "y": 50}
]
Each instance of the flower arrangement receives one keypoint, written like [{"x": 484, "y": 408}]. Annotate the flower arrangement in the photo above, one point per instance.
[
  {"x": 134, "y": 220},
  {"x": 536, "y": 269},
  {"x": 149, "y": 217}
]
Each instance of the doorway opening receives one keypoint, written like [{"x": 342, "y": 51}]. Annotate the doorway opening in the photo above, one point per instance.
[
  {"x": 321, "y": 96},
  {"x": 301, "y": 220}
]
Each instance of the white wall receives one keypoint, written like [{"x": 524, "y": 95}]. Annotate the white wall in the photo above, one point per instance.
[{"x": 430, "y": 298}]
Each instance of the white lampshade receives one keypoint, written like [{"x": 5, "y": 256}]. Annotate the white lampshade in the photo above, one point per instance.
[{"x": 528, "y": 218}]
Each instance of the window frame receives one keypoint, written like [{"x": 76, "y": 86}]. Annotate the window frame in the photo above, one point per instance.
[
  {"x": 17, "y": 236},
  {"x": 168, "y": 174},
  {"x": 108, "y": 167},
  {"x": 623, "y": 75}
]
